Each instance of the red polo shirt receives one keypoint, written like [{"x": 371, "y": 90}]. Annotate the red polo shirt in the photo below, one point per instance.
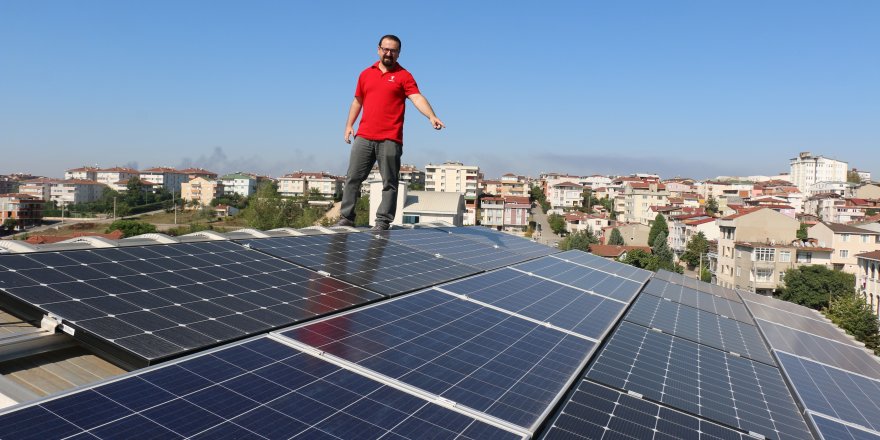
[{"x": 383, "y": 96}]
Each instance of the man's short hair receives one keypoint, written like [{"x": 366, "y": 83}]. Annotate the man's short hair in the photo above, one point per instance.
[{"x": 392, "y": 38}]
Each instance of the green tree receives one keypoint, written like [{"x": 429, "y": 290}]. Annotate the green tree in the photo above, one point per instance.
[
  {"x": 608, "y": 204},
  {"x": 815, "y": 286},
  {"x": 580, "y": 240},
  {"x": 711, "y": 206},
  {"x": 131, "y": 228},
  {"x": 9, "y": 225},
  {"x": 852, "y": 176},
  {"x": 706, "y": 275},
  {"x": 657, "y": 227},
  {"x": 268, "y": 210},
  {"x": 639, "y": 258},
  {"x": 852, "y": 314},
  {"x": 362, "y": 212},
  {"x": 696, "y": 246},
  {"x": 662, "y": 253},
  {"x": 616, "y": 238},
  {"x": 557, "y": 223},
  {"x": 802, "y": 233}
]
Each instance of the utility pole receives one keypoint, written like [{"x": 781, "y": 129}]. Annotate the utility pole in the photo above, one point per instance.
[
  {"x": 114, "y": 208},
  {"x": 174, "y": 201}
]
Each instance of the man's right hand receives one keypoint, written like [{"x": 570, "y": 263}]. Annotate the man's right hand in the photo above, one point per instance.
[{"x": 348, "y": 133}]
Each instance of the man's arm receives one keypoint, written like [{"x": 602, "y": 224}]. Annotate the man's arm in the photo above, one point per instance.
[
  {"x": 353, "y": 113},
  {"x": 424, "y": 106}
]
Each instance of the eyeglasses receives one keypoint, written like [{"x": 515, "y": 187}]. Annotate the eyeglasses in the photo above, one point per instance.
[{"x": 389, "y": 50}]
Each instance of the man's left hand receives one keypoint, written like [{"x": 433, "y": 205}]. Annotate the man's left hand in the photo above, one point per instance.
[{"x": 437, "y": 123}]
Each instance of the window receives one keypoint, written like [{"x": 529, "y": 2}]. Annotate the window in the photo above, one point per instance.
[
  {"x": 765, "y": 254},
  {"x": 844, "y": 253},
  {"x": 737, "y": 271},
  {"x": 782, "y": 276},
  {"x": 739, "y": 254},
  {"x": 410, "y": 219},
  {"x": 763, "y": 275},
  {"x": 865, "y": 238},
  {"x": 785, "y": 256},
  {"x": 844, "y": 237},
  {"x": 804, "y": 257}
]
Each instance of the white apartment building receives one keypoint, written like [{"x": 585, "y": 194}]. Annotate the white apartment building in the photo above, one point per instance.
[
  {"x": 808, "y": 170},
  {"x": 239, "y": 183},
  {"x": 639, "y": 197},
  {"x": 845, "y": 189},
  {"x": 868, "y": 279},
  {"x": 82, "y": 173},
  {"x": 117, "y": 177},
  {"x": 460, "y": 178},
  {"x": 408, "y": 174},
  {"x": 67, "y": 192},
  {"x": 39, "y": 188},
  {"x": 847, "y": 241},
  {"x": 166, "y": 177},
  {"x": 565, "y": 195},
  {"x": 301, "y": 183}
]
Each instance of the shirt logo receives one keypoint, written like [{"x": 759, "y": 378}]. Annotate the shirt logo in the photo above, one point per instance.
[{"x": 392, "y": 79}]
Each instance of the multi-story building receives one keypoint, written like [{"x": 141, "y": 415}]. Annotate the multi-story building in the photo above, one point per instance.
[
  {"x": 8, "y": 185},
  {"x": 414, "y": 207},
  {"x": 165, "y": 177},
  {"x": 595, "y": 182},
  {"x": 117, "y": 177},
  {"x": 199, "y": 192},
  {"x": 639, "y": 197},
  {"x": 492, "y": 212},
  {"x": 192, "y": 173},
  {"x": 82, "y": 173},
  {"x": 867, "y": 191},
  {"x": 580, "y": 221},
  {"x": 239, "y": 183},
  {"x": 23, "y": 209},
  {"x": 566, "y": 195},
  {"x": 683, "y": 227},
  {"x": 847, "y": 241},
  {"x": 409, "y": 174},
  {"x": 39, "y": 188},
  {"x": 835, "y": 208},
  {"x": 808, "y": 170},
  {"x": 868, "y": 279},
  {"x": 301, "y": 183},
  {"x": 460, "y": 178},
  {"x": 73, "y": 191},
  {"x": 517, "y": 211}
]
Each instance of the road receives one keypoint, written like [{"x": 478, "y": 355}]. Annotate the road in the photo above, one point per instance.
[{"x": 546, "y": 235}]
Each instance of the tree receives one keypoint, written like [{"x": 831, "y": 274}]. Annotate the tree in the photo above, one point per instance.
[
  {"x": 658, "y": 226},
  {"x": 711, "y": 206},
  {"x": 802, "y": 233},
  {"x": 580, "y": 240},
  {"x": 608, "y": 204},
  {"x": 557, "y": 223},
  {"x": 852, "y": 176},
  {"x": 852, "y": 314},
  {"x": 662, "y": 253},
  {"x": 267, "y": 210},
  {"x": 696, "y": 246},
  {"x": 815, "y": 286},
  {"x": 638, "y": 258},
  {"x": 616, "y": 238},
  {"x": 9, "y": 225},
  {"x": 706, "y": 275},
  {"x": 131, "y": 228}
]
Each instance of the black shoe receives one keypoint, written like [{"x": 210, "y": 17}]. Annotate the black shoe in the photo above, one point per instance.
[
  {"x": 344, "y": 222},
  {"x": 380, "y": 227}
]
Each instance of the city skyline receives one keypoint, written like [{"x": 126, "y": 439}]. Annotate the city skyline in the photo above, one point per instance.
[{"x": 682, "y": 88}]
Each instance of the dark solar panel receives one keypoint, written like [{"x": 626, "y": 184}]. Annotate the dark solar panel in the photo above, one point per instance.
[
  {"x": 695, "y": 284},
  {"x": 816, "y": 326},
  {"x": 603, "y": 283},
  {"x": 598, "y": 412},
  {"x": 700, "y": 300},
  {"x": 365, "y": 260},
  {"x": 789, "y": 307},
  {"x": 826, "y": 351},
  {"x": 149, "y": 303},
  {"x": 258, "y": 389},
  {"x": 835, "y": 430},
  {"x": 523, "y": 246},
  {"x": 699, "y": 326},
  {"x": 833, "y": 392},
  {"x": 481, "y": 358},
  {"x": 605, "y": 265},
  {"x": 546, "y": 301},
  {"x": 700, "y": 380},
  {"x": 455, "y": 247}
]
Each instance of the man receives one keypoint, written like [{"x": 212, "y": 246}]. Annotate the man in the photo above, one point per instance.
[{"x": 382, "y": 90}]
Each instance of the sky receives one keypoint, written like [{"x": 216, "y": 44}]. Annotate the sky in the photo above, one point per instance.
[{"x": 680, "y": 88}]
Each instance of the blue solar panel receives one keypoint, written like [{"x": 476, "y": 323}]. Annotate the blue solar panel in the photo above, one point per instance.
[
  {"x": 258, "y": 389},
  {"x": 700, "y": 300},
  {"x": 693, "y": 283},
  {"x": 481, "y": 358},
  {"x": 816, "y": 326},
  {"x": 365, "y": 260},
  {"x": 546, "y": 301},
  {"x": 703, "y": 327},
  {"x": 522, "y": 246},
  {"x": 831, "y": 429},
  {"x": 605, "y": 265},
  {"x": 603, "y": 283},
  {"x": 455, "y": 247},
  {"x": 700, "y": 380}
]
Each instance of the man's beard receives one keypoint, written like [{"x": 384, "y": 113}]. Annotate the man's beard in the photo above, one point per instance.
[{"x": 387, "y": 61}]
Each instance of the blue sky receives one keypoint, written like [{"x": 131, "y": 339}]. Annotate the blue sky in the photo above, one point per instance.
[{"x": 691, "y": 88}]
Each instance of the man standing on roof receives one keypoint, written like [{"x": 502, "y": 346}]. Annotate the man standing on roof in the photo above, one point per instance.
[{"x": 382, "y": 90}]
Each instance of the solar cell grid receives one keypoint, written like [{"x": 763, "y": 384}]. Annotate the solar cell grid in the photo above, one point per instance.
[
  {"x": 699, "y": 326},
  {"x": 826, "y": 351},
  {"x": 258, "y": 389},
  {"x": 546, "y": 301},
  {"x": 700, "y": 380},
  {"x": 481, "y": 358},
  {"x": 598, "y": 412},
  {"x": 836, "y": 393},
  {"x": 159, "y": 301},
  {"x": 714, "y": 289},
  {"x": 789, "y": 307},
  {"x": 365, "y": 260},
  {"x": 817, "y": 327},
  {"x": 605, "y": 265},
  {"x": 454, "y": 247},
  {"x": 602, "y": 283},
  {"x": 519, "y": 245},
  {"x": 831, "y": 429},
  {"x": 700, "y": 300}
]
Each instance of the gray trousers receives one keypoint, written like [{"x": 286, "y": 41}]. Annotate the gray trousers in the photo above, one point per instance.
[{"x": 364, "y": 153}]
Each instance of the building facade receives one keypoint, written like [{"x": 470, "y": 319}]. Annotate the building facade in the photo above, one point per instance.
[
  {"x": 199, "y": 192},
  {"x": 460, "y": 178},
  {"x": 868, "y": 279},
  {"x": 22, "y": 210},
  {"x": 808, "y": 170},
  {"x": 239, "y": 183},
  {"x": 847, "y": 241}
]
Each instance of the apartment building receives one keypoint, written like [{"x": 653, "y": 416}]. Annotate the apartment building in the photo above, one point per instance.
[
  {"x": 414, "y": 207},
  {"x": 847, "y": 242},
  {"x": 639, "y": 198},
  {"x": 548, "y": 180},
  {"x": 834, "y": 208},
  {"x": 81, "y": 173},
  {"x": 808, "y": 170},
  {"x": 566, "y": 195},
  {"x": 868, "y": 279},
  {"x": 73, "y": 191},
  {"x": 408, "y": 174},
  {"x": 239, "y": 183},
  {"x": 23, "y": 209},
  {"x": 199, "y": 192},
  {"x": 867, "y": 191},
  {"x": 492, "y": 212},
  {"x": 581, "y": 221},
  {"x": 460, "y": 178},
  {"x": 595, "y": 182},
  {"x": 685, "y": 226},
  {"x": 192, "y": 173},
  {"x": 165, "y": 177},
  {"x": 757, "y": 246},
  {"x": 301, "y": 183},
  {"x": 117, "y": 177},
  {"x": 8, "y": 185}
]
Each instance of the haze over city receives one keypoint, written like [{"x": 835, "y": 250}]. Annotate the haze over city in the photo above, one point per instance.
[{"x": 686, "y": 88}]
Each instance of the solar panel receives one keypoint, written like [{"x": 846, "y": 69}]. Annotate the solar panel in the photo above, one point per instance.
[
  {"x": 603, "y": 283},
  {"x": 699, "y": 326},
  {"x": 702, "y": 286},
  {"x": 817, "y": 327},
  {"x": 700, "y": 380},
  {"x": 478, "y": 357},
  {"x": 543, "y": 300},
  {"x": 455, "y": 247},
  {"x": 835, "y": 430},
  {"x": 257, "y": 389},
  {"x": 789, "y": 307},
  {"x": 826, "y": 351},
  {"x": 605, "y": 265},
  {"x": 700, "y": 300},
  {"x": 147, "y": 303},
  {"x": 523, "y": 246},
  {"x": 365, "y": 260},
  {"x": 834, "y": 392},
  {"x": 598, "y": 412}
]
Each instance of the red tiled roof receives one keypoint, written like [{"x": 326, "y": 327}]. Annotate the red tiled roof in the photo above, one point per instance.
[
  {"x": 567, "y": 183},
  {"x": 20, "y": 196},
  {"x": 198, "y": 171},
  {"x": 119, "y": 170},
  {"x": 516, "y": 199},
  {"x": 697, "y": 222},
  {"x": 160, "y": 170},
  {"x": 741, "y": 212},
  {"x": 873, "y": 255},
  {"x": 609, "y": 250}
]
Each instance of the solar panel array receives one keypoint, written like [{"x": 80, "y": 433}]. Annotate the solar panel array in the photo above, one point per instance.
[{"x": 487, "y": 336}]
